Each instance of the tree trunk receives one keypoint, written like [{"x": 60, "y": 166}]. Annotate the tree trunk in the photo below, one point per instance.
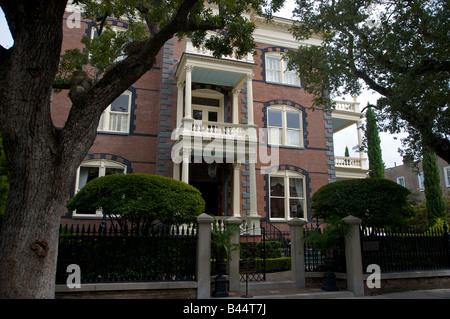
[{"x": 41, "y": 169}]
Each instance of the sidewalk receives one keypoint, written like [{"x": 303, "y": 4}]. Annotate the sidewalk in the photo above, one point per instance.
[
  {"x": 281, "y": 289},
  {"x": 414, "y": 294}
]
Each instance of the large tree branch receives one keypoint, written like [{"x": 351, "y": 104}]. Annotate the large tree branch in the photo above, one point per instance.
[{"x": 89, "y": 102}]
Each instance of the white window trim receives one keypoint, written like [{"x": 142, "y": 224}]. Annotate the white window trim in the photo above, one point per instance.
[
  {"x": 401, "y": 178},
  {"x": 420, "y": 180},
  {"x": 282, "y": 71},
  {"x": 284, "y": 109},
  {"x": 287, "y": 175},
  {"x": 210, "y": 94},
  {"x": 102, "y": 165},
  {"x": 446, "y": 176},
  {"x": 104, "y": 123}
]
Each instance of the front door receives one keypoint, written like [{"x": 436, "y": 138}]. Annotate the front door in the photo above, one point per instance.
[{"x": 210, "y": 183}]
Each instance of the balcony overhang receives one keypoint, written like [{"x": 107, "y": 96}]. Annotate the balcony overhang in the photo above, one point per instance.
[
  {"x": 207, "y": 69},
  {"x": 345, "y": 114}
]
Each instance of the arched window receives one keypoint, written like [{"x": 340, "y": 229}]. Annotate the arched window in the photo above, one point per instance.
[
  {"x": 285, "y": 127},
  {"x": 91, "y": 169},
  {"x": 287, "y": 195}
]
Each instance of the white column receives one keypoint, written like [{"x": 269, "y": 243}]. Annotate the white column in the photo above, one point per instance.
[
  {"x": 235, "y": 106},
  {"x": 250, "y": 99},
  {"x": 180, "y": 104},
  {"x": 186, "y": 159},
  {"x": 176, "y": 171},
  {"x": 236, "y": 190},
  {"x": 188, "y": 95},
  {"x": 252, "y": 172}
]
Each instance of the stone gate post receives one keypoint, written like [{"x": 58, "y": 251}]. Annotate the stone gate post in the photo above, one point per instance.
[
  {"x": 297, "y": 252},
  {"x": 204, "y": 256},
  {"x": 355, "y": 281},
  {"x": 234, "y": 275}
]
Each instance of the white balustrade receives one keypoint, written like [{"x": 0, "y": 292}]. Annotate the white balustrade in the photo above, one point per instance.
[
  {"x": 347, "y": 162},
  {"x": 346, "y": 106},
  {"x": 219, "y": 129},
  {"x": 204, "y": 51}
]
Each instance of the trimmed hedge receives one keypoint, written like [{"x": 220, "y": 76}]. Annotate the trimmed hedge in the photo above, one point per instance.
[{"x": 254, "y": 250}]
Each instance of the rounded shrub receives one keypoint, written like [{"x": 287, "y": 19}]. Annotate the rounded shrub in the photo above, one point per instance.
[
  {"x": 377, "y": 201},
  {"x": 140, "y": 198}
]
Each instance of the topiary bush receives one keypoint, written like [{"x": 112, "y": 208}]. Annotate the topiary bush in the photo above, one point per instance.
[
  {"x": 377, "y": 201},
  {"x": 140, "y": 199}
]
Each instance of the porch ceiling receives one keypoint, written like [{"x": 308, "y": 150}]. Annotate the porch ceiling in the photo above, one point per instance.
[
  {"x": 205, "y": 69},
  {"x": 215, "y": 77}
]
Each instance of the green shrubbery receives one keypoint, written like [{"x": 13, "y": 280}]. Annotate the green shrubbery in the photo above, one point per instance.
[
  {"x": 377, "y": 201},
  {"x": 140, "y": 199}
]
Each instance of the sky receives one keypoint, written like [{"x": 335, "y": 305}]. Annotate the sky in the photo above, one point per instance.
[{"x": 346, "y": 138}]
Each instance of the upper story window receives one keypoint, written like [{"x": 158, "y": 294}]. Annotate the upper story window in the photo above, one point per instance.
[
  {"x": 287, "y": 195},
  {"x": 207, "y": 106},
  {"x": 447, "y": 176},
  {"x": 284, "y": 125},
  {"x": 116, "y": 117},
  {"x": 420, "y": 179},
  {"x": 91, "y": 169},
  {"x": 401, "y": 180},
  {"x": 277, "y": 72}
]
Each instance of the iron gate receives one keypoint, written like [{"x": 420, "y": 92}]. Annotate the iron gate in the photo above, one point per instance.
[
  {"x": 254, "y": 240},
  {"x": 253, "y": 252}
]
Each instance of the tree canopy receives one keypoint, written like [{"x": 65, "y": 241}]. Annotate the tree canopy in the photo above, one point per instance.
[
  {"x": 377, "y": 201},
  {"x": 396, "y": 48},
  {"x": 140, "y": 199}
]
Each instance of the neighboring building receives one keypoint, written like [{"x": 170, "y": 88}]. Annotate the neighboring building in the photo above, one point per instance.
[
  {"x": 411, "y": 177},
  {"x": 241, "y": 131}
]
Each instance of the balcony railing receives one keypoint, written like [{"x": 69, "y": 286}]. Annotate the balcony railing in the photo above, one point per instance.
[
  {"x": 220, "y": 129},
  {"x": 348, "y": 162},
  {"x": 346, "y": 106},
  {"x": 204, "y": 51}
]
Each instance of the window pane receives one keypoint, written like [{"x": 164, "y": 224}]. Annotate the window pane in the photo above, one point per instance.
[
  {"x": 293, "y": 120},
  {"x": 277, "y": 186},
  {"x": 197, "y": 114},
  {"x": 296, "y": 187},
  {"x": 87, "y": 174},
  {"x": 277, "y": 208},
  {"x": 120, "y": 104},
  {"x": 293, "y": 137},
  {"x": 296, "y": 208},
  {"x": 290, "y": 78},
  {"x": 212, "y": 116},
  {"x": 273, "y": 76},
  {"x": 274, "y": 136},
  {"x": 205, "y": 101},
  {"x": 275, "y": 118},
  {"x": 273, "y": 63},
  {"x": 113, "y": 171}
]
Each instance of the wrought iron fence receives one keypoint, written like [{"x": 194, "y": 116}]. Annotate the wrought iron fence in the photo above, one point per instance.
[
  {"x": 315, "y": 257},
  {"x": 405, "y": 250},
  {"x": 164, "y": 253}
]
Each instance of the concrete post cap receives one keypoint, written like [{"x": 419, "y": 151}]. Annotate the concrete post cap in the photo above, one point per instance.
[
  {"x": 352, "y": 220},
  {"x": 297, "y": 222},
  {"x": 204, "y": 219}
]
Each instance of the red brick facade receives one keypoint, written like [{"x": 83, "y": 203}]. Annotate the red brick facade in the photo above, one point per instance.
[{"x": 146, "y": 147}]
